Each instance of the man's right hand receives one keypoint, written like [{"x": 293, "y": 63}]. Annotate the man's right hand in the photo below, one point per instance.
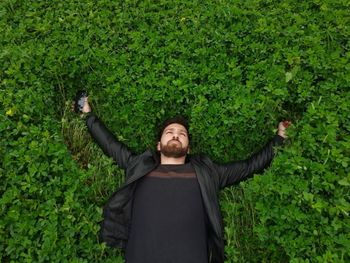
[{"x": 86, "y": 107}]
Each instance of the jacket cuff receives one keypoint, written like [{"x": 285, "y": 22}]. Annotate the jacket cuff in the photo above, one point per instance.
[
  {"x": 88, "y": 116},
  {"x": 278, "y": 140}
]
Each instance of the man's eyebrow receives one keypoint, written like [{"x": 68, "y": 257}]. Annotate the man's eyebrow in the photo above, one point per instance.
[{"x": 182, "y": 130}]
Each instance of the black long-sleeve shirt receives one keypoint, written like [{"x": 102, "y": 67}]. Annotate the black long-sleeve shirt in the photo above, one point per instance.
[{"x": 168, "y": 220}]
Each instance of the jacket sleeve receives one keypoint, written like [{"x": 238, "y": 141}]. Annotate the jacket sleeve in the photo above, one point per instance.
[
  {"x": 107, "y": 141},
  {"x": 237, "y": 171}
]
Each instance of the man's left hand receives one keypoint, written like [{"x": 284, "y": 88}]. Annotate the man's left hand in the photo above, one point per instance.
[{"x": 282, "y": 126}]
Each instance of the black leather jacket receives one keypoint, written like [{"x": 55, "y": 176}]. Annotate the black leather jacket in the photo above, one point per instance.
[{"x": 211, "y": 178}]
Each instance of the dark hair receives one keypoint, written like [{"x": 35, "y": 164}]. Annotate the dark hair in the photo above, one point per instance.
[{"x": 177, "y": 119}]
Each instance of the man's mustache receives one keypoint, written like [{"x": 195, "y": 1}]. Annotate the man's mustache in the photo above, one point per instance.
[{"x": 175, "y": 140}]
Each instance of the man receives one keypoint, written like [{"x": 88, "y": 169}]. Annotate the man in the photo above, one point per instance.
[{"x": 168, "y": 209}]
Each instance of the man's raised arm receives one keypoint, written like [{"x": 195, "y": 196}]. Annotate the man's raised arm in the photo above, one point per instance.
[
  {"x": 238, "y": 171},
  {"x": 105, "y": 139}
]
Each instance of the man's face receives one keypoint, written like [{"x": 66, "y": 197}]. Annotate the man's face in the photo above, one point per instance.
[{"x": 174, "y": 141}]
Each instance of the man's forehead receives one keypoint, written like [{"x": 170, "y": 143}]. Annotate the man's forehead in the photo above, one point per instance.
[{"x": 175, "y": 126}]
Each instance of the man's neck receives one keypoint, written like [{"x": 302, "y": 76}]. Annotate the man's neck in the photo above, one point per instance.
[{"x": 172, "y": 160}]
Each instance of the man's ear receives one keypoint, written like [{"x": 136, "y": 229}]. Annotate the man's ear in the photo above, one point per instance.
[
  {"x": 158, "y": 146},
  {"x": 188, "y": 150}
]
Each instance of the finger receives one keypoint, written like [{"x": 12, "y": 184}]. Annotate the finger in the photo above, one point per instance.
[{"x": 286, "y": 123}]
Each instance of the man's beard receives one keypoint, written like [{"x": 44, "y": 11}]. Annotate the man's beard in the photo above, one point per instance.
[{"x": 172, "y": 149}]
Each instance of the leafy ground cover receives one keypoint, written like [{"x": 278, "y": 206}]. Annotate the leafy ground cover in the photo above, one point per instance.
[{"x": 235, "y": 68}]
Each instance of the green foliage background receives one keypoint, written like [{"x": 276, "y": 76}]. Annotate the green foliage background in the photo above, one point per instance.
[{"x": 235, "y": 68}]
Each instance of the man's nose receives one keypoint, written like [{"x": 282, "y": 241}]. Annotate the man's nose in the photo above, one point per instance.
[{"x": 175, "y": 136}]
